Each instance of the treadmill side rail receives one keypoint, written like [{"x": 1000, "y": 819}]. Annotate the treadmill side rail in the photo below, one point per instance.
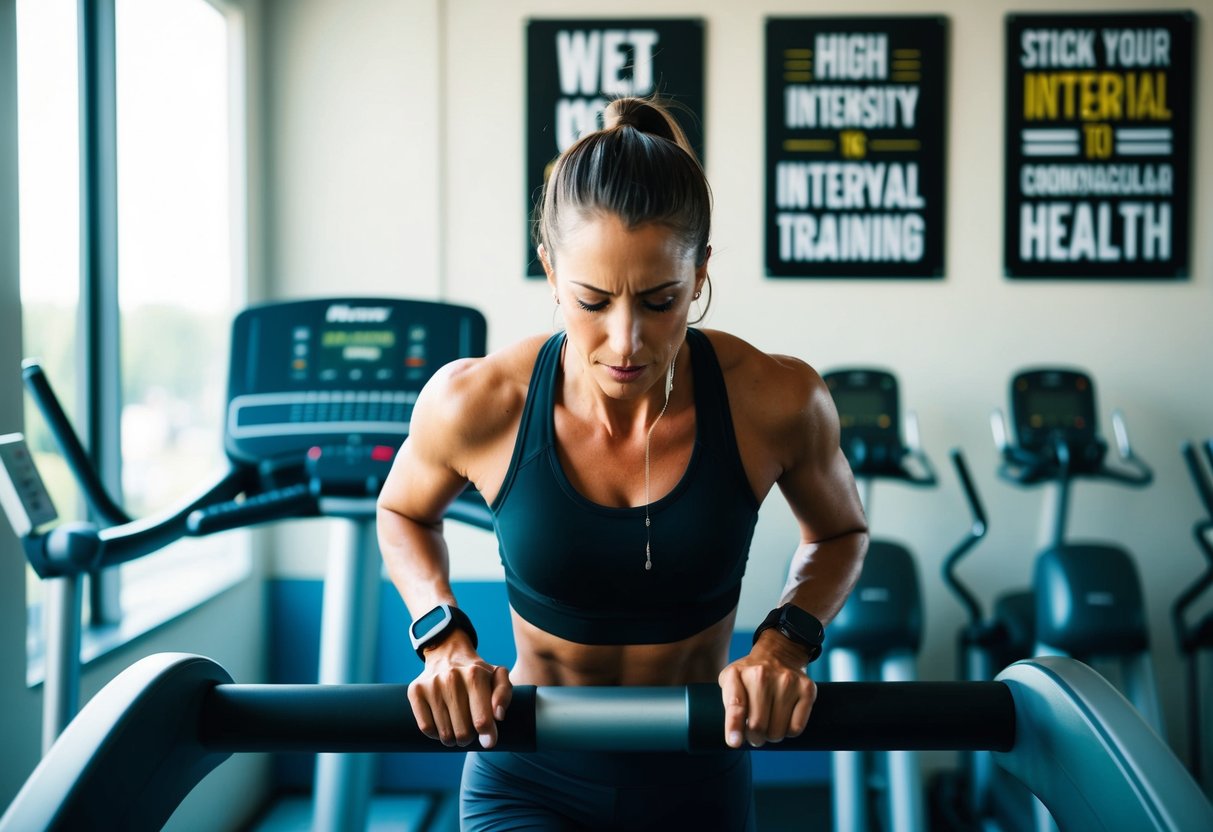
[{"x": 1091, "y": 758}]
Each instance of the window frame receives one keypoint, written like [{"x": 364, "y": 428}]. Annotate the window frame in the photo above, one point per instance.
[{"x": 98, "y": 352}]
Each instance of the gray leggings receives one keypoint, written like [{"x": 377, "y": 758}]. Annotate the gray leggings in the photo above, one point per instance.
[{"x": 561, "y": 791}]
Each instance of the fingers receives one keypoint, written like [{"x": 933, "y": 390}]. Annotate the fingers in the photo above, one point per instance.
[
  {"x": 764, "y": 704},
  {"x": 503, "y": 691},
  {"x": 458, "y": 705},
  {"x": 800, "y": 713},
  {"x": 733, "y": 692}
]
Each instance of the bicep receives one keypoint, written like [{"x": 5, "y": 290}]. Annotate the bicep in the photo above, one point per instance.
[
  {"x": 425, "y": 475},
  {"x": 817, "y": 482}
]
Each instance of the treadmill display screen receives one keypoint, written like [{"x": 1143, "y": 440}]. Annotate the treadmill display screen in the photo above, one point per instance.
[
  {"x": 1051, "y": 409},
  {"x": 862, "y": 408},
  {"x": 357, "y": 353},
  {"x": 341, "y": 355}
]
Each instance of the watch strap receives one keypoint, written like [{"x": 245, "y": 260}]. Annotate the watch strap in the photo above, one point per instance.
[
  {"x": 797, "y": 625},
  {"x": 456, "y": 619}
]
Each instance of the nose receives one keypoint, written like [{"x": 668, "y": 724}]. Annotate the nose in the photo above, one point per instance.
[{"x": 624, "y": 332}]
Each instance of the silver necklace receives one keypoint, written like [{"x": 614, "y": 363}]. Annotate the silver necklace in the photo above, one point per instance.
[{"x": 648, "y": 523}]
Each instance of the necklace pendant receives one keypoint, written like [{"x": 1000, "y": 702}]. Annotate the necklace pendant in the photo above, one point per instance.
[{"x": 648, "y": 566}]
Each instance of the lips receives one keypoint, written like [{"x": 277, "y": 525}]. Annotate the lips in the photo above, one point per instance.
[{"x": 624, "y": 374}]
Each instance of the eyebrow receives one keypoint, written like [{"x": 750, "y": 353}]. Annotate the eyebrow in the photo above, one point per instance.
[{"x": 651, "y": 291}]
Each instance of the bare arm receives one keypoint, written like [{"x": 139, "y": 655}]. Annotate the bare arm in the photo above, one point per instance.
[
  {"x": 767, "y": 694},
  {"x": 459, "y": 695}
]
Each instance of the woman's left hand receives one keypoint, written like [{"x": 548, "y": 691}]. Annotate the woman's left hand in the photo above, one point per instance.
[{"x": 767, "y": 694}]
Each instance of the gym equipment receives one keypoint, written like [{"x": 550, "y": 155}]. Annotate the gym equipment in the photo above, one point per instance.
[
  {"x": 157, "y": 729},
  {"x": 976, "y": 792},
  {"x": 1088, "y": 596},
  {"x": 1196, "y": 639},
  {"x": 878, "y": 632},
  {"x": 320, "y": 394}
]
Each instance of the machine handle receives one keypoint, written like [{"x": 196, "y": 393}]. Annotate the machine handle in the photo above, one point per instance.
[
  {"x": 1204, "y": 487},
  {"x": 298, "y": 500},
  {"x": 846, "y": 716},
  {"x": 913, "y": 438},
  {"x": 1185, "y": 634},
  {"x": 1122, "y": 434},
  {"x": 977, "y": 530},
  {"x": 998, "y": 427},
  {"x": 95, "y": 494}
]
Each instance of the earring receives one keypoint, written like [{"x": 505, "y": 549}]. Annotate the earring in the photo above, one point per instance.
[{"x": 697, "y": 294}]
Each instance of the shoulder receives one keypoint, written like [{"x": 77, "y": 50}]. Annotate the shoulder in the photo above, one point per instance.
[
  {"x": 780, "y": 397},
  {"x": 470, "y": 401},
  {"x": 767, "y": 382}
]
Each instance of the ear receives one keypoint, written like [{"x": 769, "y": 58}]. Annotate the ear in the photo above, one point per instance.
[
  {"x": 701, "y": 271},
  {"x": 547, "y": 265}
]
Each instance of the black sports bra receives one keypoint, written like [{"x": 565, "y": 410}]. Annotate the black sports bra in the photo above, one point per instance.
[{"x": 575, "y": 568}]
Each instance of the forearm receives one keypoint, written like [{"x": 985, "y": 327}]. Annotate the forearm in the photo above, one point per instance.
[
  {"x": 417, "y": 560},
  {"x": 823, "y": 573}
]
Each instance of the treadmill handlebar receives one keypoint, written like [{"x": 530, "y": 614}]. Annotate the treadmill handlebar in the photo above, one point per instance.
[
  {"x": 1204, "y": 486},
  {"x": 1025, "y": 468},
  {"x": 977, "y": 530},
  {"x": 1187, "y": 635},
  {"x": 299, "y": 500},
  {"x": 78, "y": 461},
  {"x": 75, "y": 548},
  {"x": 916, "y": 716}
]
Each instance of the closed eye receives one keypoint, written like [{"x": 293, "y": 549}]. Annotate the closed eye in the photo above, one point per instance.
[{"x": 591, "y": 307}]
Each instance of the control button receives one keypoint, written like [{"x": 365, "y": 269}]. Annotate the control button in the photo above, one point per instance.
[{"x": 382, "y": 453}]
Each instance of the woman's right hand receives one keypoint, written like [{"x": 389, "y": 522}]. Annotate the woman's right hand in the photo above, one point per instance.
[{"x": 459, "y": 696}]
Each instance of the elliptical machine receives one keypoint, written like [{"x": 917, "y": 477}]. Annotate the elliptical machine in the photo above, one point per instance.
[
  {"x": 878, "y": 632},
  {"x": 1089, "y": 600},
  {"x": 1196, "y": 639}
]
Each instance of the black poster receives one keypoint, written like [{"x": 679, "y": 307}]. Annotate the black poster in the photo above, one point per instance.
[
  {"x": 855, "y": 146},
  {"x": 574, "y": 67},
  {"x": 1098, "y": 145}
]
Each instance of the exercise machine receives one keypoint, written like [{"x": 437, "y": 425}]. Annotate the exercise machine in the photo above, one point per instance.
[
  {"x": 1196, "y": 638},
  {"x": 320, "y": 395},
  {"x": 966, "y": 799},
  {"x": 877, "y": 634},
  {"x": 145, "y": 740},
  {"x": 1088, "y": 597}
]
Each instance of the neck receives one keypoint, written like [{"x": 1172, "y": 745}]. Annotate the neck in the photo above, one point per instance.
[{"x": 620, "y": 417}]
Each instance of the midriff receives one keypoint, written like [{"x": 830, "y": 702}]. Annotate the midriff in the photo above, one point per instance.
[{"x": 545, "y": 659}]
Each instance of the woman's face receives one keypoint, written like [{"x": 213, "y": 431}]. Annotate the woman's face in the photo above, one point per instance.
[{"x": 626, "y": 296}]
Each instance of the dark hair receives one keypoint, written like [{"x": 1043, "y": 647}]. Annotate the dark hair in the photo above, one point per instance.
[{"x": 639, "y": 167}]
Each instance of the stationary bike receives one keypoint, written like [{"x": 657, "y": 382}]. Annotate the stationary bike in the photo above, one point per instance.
[{"x": 877, "y": 634}]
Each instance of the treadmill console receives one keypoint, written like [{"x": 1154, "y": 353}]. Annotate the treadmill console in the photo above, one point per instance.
[
  {"x": 868, "y": 416},
  {"x": 330, "y": 384},
  {"x": 1048, "y": 405}
]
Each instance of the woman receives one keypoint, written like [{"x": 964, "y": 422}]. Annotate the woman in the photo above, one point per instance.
[{"x": 624, "y": 461}]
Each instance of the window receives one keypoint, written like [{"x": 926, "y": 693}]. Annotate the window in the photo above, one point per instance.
[
  {"x": 49, "y": 205},
  {"x": 179, "y": 275},
  {"x": 177, "y": 290}
]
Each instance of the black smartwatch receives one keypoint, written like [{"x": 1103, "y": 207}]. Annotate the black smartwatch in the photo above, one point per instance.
[
  {"x": 799, "y": 626},
  {"x": 437, "y": 624}
]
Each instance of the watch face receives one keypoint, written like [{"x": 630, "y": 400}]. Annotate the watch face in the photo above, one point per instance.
[
  {"x": 425, "y": 625},
  {"x": 806, "y": 627}
]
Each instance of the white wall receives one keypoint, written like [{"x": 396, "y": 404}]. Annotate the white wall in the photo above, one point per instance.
[{"x": 398, "y": 169}]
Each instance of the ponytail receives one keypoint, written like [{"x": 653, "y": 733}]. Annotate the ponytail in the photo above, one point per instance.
[{"x": 638, "y": 167}]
